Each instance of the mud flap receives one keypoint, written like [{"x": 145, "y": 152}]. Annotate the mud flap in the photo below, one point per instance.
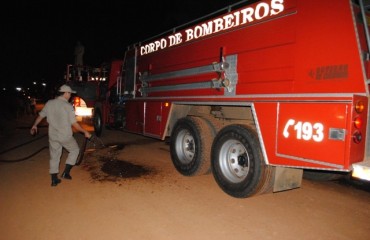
[{"x": 287, "y": 178}]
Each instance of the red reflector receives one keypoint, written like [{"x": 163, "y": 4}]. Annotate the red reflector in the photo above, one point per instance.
[
  {"x": 357, "y": 137},
  {"x": 358, "y": 122}
]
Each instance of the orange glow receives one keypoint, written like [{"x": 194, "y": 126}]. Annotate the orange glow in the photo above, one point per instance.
[
  {"x": 358, "y": 122},
  {"x": 166, "y": 104},
  {"x": 77, "y": 102},
  {"x": 359, "y": 107}
]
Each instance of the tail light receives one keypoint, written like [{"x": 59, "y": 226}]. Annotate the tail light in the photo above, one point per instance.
[
  {"x": 77, "y": 102},
  {"x": 358, "y": 121},
  {"x": 359, "y": 106}
]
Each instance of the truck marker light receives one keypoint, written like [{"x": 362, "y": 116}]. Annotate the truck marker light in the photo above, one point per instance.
[
  {"x": 359, "y": 107},
  {"x": 166, "y": 104},
  {"x": 358, "y": 122},
  {"x": 77, "y": 101}
]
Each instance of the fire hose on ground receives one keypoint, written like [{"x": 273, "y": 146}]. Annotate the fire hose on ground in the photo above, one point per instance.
[
  {"x": 93, "y": 139},
  {"x": 20, "y": 145}
]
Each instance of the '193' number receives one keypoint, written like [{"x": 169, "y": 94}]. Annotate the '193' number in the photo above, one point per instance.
[{"x": 305, "y": 130}]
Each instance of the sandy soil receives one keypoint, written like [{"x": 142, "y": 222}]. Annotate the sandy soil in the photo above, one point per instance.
[{"x": 128, "y": 189}]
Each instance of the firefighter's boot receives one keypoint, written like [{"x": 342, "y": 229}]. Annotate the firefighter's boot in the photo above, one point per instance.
[
  {"x": 55, "y": 180},
  {"x": 65, "y": 174}
]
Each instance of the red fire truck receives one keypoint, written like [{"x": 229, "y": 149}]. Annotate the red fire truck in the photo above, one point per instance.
[
  {"x": 86, "y": 80},
  {"x": 254, "y": 94}
]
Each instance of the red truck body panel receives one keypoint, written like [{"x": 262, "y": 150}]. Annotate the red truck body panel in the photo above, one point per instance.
[
  {"x": 308, "y": 48},
  {"x": 297, "y": 64}
]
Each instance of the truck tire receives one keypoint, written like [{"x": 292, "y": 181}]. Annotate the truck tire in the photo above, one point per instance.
[
  {"x": 119, "y": 118},
  {"x": 190, "y": 146},
  {"x": 98, "y": 122},
  {"x": 237, "y": 162}
]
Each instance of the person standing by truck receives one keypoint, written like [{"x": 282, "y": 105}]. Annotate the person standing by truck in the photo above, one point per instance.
[
  {"x": 79, "y": 53},
  {"x": 61, "y": 117},
  {"x": 33, "y": 105}
]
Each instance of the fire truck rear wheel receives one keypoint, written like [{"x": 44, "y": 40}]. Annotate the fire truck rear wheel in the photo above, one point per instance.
[
  {"x": 119, "y": 118},
  {"x": 98, "y": 122},
  {"x": 237, "y": 162},
  {"x": 190, "y": 146}
]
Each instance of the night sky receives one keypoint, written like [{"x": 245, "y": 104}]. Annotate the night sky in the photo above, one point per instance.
[{"x": 39, "y": 36}]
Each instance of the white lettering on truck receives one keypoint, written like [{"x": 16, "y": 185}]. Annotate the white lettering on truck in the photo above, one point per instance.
[
  {"x": 237, "y": 18},
  {"x": 304, "y": 130}
]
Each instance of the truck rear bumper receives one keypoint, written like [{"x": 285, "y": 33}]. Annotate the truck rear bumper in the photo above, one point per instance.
[{"x": 361, "y": 170}]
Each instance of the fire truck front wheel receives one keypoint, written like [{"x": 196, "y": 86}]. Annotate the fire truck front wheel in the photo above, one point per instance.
[
  {"x": 98, "y": 122},
  {"x": 237, "y": 162},
  {"x": 190, "y": 146}
]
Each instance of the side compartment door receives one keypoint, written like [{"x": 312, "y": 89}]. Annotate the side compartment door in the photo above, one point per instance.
[
  {"x": 314, "y": 133},
  {"x": 155, "y": 118},
  {"x": 135, "y": 116}
]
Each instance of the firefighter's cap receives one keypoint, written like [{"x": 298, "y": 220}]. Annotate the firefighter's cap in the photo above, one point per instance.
[{"x": 66, "y": 88}]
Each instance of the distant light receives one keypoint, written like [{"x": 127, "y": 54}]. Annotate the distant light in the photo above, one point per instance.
[
  {"x": 43, "y": 84},
  {"x": 18, "y": 89},
  {"x": 4, "y": 89},
  {"x": 34, "y": 83}
]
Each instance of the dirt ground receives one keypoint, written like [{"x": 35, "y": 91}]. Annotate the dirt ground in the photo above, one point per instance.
[{"x": 127, "y": 188}]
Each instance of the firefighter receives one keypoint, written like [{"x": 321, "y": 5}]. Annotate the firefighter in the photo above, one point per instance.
[{"x": 60, "y": 117}]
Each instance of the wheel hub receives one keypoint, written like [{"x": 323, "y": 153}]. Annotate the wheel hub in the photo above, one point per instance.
[{"x": 242, "y": 160}]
